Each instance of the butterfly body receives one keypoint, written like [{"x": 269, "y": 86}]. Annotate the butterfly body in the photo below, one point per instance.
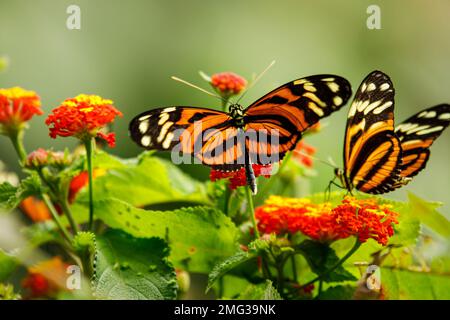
[
  {"x": 379, "y": 158},
  {"x": 259, "y": 134}
]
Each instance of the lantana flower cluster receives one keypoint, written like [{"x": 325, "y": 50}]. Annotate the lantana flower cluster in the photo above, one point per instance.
[
  {"x": 83, "y": 117},
  {"x": 363, "y": 218},
  {"x": 17, "y": 106},
  {"x": 238, "y": 178}
]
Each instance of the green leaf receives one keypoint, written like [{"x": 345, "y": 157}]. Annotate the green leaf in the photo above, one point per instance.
[
  {"x": 7, "y": 192},
  {"x": 30, "y": 186},
  {"x": 223, "y": 267},
  {"x": 142, "y": 182},
  {"x": 426, "y": 212},
  {"x": 263, "y": 291},
  {"x": 414, "y": 285},
  {"x": 8, "y": 263},
  {"x": 198, "y": 236},
  {"x": 322, "y": 258},
  {"x": 338, "y": 293},
  {"x": 130, "y": 268}
]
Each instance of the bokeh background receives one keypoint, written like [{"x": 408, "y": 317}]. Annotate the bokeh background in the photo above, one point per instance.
[{"x": 127, "y": 51}]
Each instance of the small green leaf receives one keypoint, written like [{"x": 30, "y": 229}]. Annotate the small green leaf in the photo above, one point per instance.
[
  {"x": 426, "y": 212},
  {"x": 223, "y": 267},
  {"x": 133, "y": 279},
  {"x": 198, "y": 236},
  {"x": 264, "y": 291},
  {"x": 7, "y": 195},
  {"x": 321, "y": 258},
  {"x": 30, "y": 186}
]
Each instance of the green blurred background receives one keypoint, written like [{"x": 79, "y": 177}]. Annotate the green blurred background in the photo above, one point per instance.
[{"x": 127, "y": 51}]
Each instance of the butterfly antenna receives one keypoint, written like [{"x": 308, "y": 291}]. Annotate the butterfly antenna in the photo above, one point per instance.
[
  {"x": 330, "y": 161},
  {"x": 256, "y": 80},
  {"x": 197, "y": 87}
]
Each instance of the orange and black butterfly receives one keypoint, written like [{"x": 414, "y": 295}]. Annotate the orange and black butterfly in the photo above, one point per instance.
[
  {"x": 379, "y": 158},
  {"x": 214, "y": 137}
]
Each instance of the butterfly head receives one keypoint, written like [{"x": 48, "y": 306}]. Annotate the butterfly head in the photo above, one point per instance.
[{"x": 236, "y": 111}]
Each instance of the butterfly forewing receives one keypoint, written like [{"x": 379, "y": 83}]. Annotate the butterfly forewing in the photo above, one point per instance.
[
  {"x": 289, "y": 110},
  {"x": 372, "y": 151},
  {"x": 417, "y": 134}
]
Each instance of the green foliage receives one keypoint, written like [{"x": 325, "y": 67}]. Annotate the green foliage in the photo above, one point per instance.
[
  {"x": 263, "y": 291},
  {"x": 7, "y": 292},
  {"x": 141, "y": 273},
  {"x": 228, "y": 264},
  {"x": 338, "y": 293},
  {"x": 8, "y": 263},
  {"x": 426, "y": 212},
  {"x": 198, "y": 236},
  {"x": 7, "y": 192},
  {"x": 144, "y": 181},
  {"x": 10, "y": 196},
  {"x": 410, "y": 284},
  {"x": 322, "y": 258}
]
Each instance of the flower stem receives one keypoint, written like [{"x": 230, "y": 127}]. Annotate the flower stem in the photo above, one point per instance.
[
  {"x": 55, "y": 216},
  {"x": 89, "y": 153},
  {"x": 248, "y": 192},
  {"x": 339, "y": 263},
  {"x": 17, "y": 140},
  {"x": 66, "y": 209},
  {"x": 225, "y": 104}
]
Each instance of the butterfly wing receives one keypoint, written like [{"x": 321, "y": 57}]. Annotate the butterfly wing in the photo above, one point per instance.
[
  {"x": 417, "y": 134},
  {"x": 292, "y": 108},
  {"x": 372, "y": 151},
  {"x": 203, "y": 133}
]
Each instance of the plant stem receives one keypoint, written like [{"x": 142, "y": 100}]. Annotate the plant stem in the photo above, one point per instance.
[
  {"x": 294, "y": 268},
  {"x": 66, "y": 209},
  {"x": 55, "y": 216},
  {"x": 89, "y": 153},
  {"x": 248, "y": 192},
  {"x": 17, "y": 140},
  {"x": 225, "y": 104},
  {"x": 339, "y": 263}
]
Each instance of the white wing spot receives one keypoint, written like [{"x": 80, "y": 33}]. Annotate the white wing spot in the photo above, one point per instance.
[
  {"x": 328, "y": 79},
  {"x": 146, "y": 141},
  {"x": 334, "y": 87},
  {"x": 170, "y": 109},
  {"x": 363, "y": 87},
  {"x": 415, "y": 128},
  {"x": 371, "y": 87},
  {"x": 314, "y": 98},
  {"x": 143, "y": 126},
  {"x": 315, "y": 109},
  {"x": 167, "y": 140},
  {"x": 427, "y": 131},
  {"x": 383, "y": 107},
  {"x": 163, "y": 117},
  {"x": 372, "y": 106},
  {"x": 144, "y": 117},
  {"x": 337, "y": 101},
  {"x": 362, "y": 105},
  {"x": 384, "y": 86},
  {"x": 309, "y": 87},
  {"x": 164, "y": 130},
  {"x": 444, "y": 116}
]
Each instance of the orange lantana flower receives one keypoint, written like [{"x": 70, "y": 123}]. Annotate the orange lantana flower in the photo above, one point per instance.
[
  {"x": 83, "y": 117},
  {"x": 238, "y": 178},
  {"x": 18, "y": 106},
  {"x": 364, "y": 218}
]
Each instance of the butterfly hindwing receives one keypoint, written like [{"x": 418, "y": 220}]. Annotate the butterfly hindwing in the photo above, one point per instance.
[
  {"x": 372, "y": 151},
  {"x": 292, "y": 108},
  {"x": 417, "y": 134}
]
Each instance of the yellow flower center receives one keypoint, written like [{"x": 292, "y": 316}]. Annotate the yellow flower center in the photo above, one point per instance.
[
  {"x": 90, "y": 101},
  {"x": 17, "y": 93}
]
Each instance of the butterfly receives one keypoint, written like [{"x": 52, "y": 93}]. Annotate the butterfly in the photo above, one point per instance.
[
  {"x": 379, "y": 158},
  {"x": 222, "y": 140}
]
